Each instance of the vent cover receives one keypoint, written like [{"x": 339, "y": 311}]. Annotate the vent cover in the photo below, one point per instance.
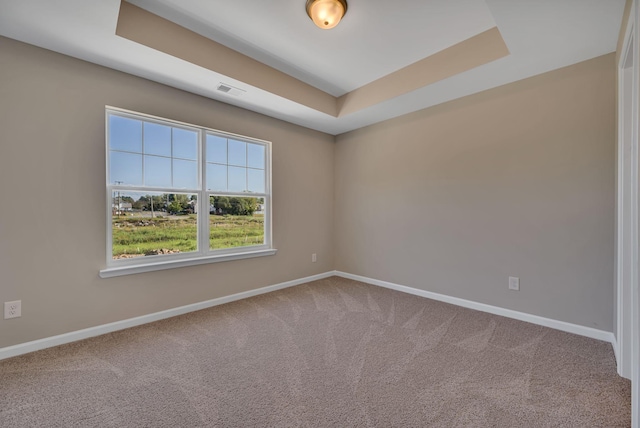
[{"x": 228, "y": 89}]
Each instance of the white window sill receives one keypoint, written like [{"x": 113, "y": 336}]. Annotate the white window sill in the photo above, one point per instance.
[{"x": 171, "y": 264}]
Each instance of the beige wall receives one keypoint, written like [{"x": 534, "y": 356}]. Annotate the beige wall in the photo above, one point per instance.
[
  {"x": 518, "y": 180},
  {"x": 515, "y": 181},
  {"x": 52, "y": 220}
]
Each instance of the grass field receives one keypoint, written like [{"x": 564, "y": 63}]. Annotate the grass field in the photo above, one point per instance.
[{"x": 136, "y": 235}]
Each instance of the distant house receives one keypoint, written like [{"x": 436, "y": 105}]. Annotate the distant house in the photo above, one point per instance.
[{"x": 122, "y": 207}]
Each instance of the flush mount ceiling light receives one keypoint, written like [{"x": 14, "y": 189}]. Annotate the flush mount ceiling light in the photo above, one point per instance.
[{"x": 326, "y": 14}]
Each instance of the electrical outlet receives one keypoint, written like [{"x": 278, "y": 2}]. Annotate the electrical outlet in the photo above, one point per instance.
[
  {"x": 314, "y": 258},
  {"x": 514, "y": 283},
  {"x": 12, "y": 309}
]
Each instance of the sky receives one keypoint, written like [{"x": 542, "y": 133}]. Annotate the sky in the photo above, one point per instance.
[{"x": 149, "y": 154}]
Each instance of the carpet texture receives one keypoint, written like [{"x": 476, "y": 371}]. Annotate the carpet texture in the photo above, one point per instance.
[{"x": 335, "y": 353}]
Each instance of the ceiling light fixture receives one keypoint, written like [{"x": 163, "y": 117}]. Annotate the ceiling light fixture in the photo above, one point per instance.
[{"x": 326, "y": 14}]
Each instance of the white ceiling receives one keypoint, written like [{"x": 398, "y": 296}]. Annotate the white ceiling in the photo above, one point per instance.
[{"x": 375, "y": 38}]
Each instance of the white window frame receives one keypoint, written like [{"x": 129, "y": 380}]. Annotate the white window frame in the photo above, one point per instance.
[{"x": 203, "y": 254}]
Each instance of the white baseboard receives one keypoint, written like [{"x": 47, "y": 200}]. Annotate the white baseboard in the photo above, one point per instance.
[
  {"x": 614, "y": 343},
  {"x": 48, "y": 342},
  {"x": 534, "y": 319},
  {"x": 36, "y": 345}
]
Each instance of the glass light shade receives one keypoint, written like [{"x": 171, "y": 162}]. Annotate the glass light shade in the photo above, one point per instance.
[{"x": 326, "y": 14}]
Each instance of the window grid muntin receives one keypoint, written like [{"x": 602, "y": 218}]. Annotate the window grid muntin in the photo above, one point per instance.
[
  {"x": 165, "y": 122},
  {"x": 228, "y": 164}
]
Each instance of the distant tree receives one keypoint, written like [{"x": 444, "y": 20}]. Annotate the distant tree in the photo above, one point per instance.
[
  {"x": 128, "y": 199},
  {"x": 141, "y": 204},
  {"x": 221, "y": 204},
  {"x": 251, "y": 205},
  {"x": 243, "y": 206},
  {"x": 233, "y": 205},
  {"x": 182, "y": 199},
  {"x": 159, "y": 203},
  {"x": 175, "y": 207}
]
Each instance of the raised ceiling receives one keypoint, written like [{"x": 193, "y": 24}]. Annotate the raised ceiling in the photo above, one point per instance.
[
  {"x": 366, "y": 46},
  {"x": 383, "y": 60}
]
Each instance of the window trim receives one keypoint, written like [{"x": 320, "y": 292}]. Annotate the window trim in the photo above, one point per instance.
[
  {"x": 204, "y": 254},
  {"x": 177, "y": 263}
]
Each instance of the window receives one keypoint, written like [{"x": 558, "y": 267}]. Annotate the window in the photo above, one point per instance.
[{"x": 180, "y": 194}]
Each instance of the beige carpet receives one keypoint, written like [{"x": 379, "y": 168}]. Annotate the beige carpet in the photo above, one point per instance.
[{"x": 333, "y": 353}]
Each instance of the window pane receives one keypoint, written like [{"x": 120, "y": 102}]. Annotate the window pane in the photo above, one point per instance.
[
  {"x": 166, "y": 157},
  {"x": 157, "y": 139},
  {"x": 234, "y": 222},
  {"x": 216, "y": 149},
  {"x": 255, "y": 156},
  {"x": 256, "y": 180},
  {"x": 125, "y": 168},
  {"x": 237, "y": 153},
  {"x": 185, "y": 144},
  {"x": 153, "y": 224},
  {"x": 216, "y": 177},
  {"x": 237, "y": 179},
  {"x": 185, "y": 174},
  {"x": 125, "y": 134},
  {"x": 157, "y": 171}
]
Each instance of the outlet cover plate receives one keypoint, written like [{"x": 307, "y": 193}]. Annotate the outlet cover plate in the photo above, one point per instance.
[
  {"x": 514, "y": 283},
  {"x": 12, "y": 309}
]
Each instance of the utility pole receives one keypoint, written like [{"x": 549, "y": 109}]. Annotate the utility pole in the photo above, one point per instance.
[{"x": 119, "y": 208}]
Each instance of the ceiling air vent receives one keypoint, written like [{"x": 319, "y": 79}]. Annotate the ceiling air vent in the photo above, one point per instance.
[{"x": 228, "y": 89}]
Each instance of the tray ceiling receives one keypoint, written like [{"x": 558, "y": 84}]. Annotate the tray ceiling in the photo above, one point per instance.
[{"x": 383, "y": 60}]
